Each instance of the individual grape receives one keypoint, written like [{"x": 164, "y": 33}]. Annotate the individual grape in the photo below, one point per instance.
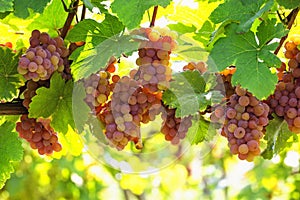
[
  {"x": 44, "y": 38},
  {"x": 296, "y": 122},
  {"x": 231, "y": 113},
  {"x": 293, "y": 63},
  {"x": 253, "y": 145},
  {"x": 244, "y": 101},
  {"x": 239, "y": 132},
  {"x": 243, "y": 149},
  {"x": 240, "y": 91},
  {"x": 35, "y": 34},
  {"x": 291, "y": 113},
  {"x": 219, "y": 112}
]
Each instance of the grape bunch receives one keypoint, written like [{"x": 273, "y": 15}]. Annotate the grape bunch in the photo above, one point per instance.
[
  {"x": 116, "y": 138},
  {"x": 30, "y": 90},
  {"x": 243, "y": 120},
  {"x": 154, "y": 55},
  {"x": 130, "y": 102},
  {"x": 174, "y": 128},
  {"x": 285, "y": 102},
  {"x": 39, "y": 134},
  {"x": 44, "y": 56},
  {"x": 130, "y": 105},
  {"x": 98, "y": 87}
]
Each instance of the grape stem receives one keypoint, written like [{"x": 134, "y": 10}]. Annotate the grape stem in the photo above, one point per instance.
[
  {"x": 154, "y": 16},
  {"x": 292, "y": 16},
  {"x": 83, "y": 12},
  {"x": 12, "y": 108}
]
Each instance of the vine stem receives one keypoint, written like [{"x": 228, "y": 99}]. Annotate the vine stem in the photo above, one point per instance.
[
  {"x": 69, "y": 20},
  {"x": 154, "y": 16},
  {"x": 12, "y": 108},
  {"x": 292, "y": 17}
]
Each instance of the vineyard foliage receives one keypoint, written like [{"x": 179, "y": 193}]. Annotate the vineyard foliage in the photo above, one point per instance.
[{"x": 112, "y": 39}]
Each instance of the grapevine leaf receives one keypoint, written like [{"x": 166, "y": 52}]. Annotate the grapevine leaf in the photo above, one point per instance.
[
  {"x": 91, "y": 59},
  {"x": 10, "y": 80},
  {"x": 80, "y": 108},
  {"x": 94, "y": 31},
  {"x": 186, "y": 93},
  {"x": 251, "y": 58},
  {"x": 210, "y": 80},
  {"x": 200, "y": 131},
  {"x": 52, "y": 19},
  {"x": 6, "y": 5},
  {"x": 289, "y": 4},
  {"x": 92, "y": 4},
  {"x": 278, "y": 137},
  {"x": 56, "y": 102},
  {"x": 182, "y": 28},
  {"x": 204, "y": 34},
  {"x": 22, "y": 7},
  {"x": 131, "y": 12},
  {"x": 11, "y": 150},
  {"x": 3, "y": 15},
  {"x": 244, "y": 12}
]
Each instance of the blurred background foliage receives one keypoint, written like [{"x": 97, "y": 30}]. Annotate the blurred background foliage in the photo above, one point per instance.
[{"x": 217, "y": 175}]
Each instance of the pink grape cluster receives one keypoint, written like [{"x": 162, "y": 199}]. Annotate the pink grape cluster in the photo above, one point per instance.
[
  {"x": 285, "y": 102},
  {"x": 243, "y": 120},
  {"x": 174, "y": 128},
  {"x": 39, "y": 134},
  {"x": 44, "y": 56},
  {"x": 154, "y": 55}
]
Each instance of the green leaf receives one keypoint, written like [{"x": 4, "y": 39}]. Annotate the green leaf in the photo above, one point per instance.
[
  {"x": 186, "y": 93},
  {"x": 182, "y": 28},
  {"x": 245, "y": 12},
  {"x": 289, "y": 4},
  {"x": 91, "y": 59},
  {"x": 131, "y": 12},
  {"x": 22, "y": 7},
  {"x": 51, "y": 20},
  {"x": 10, "y": 80},
  {"x": 80, "y": 108},
  {"x": 252, "y": 59},
  {"x": 278, "y": 137},
  {"x": 200, "y": 131},
  {"x": 95, "y": 32},
  {"x": 55, "y": 102},
  {"x": 6, "y": 5},
  {"x": 204, "y": 34},
  {"x": 3, "y": 15},
  {"x": 11, "y": 150}
]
